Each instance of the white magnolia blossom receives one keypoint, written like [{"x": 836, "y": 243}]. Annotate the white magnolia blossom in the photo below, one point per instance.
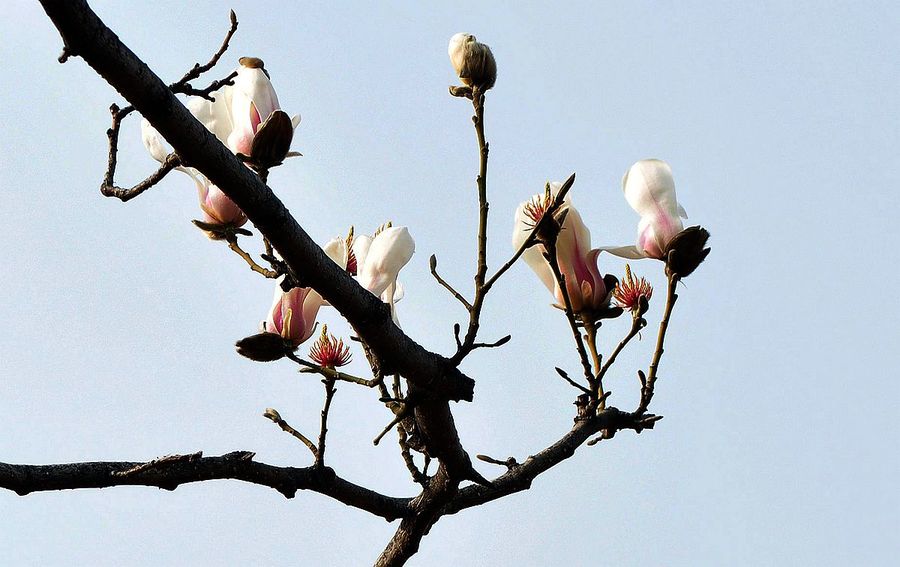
[
  {"x": 577, "y": 261},
  {"x": 375, "y": 261},
  {"x": 237, "y": 110},
  {"x": 650, "y": 190},
  {"x": 233, "y": 117}
]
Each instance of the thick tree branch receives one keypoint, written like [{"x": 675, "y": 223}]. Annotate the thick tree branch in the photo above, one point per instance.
[
  {"x": 86, "y": 36},
  {"x": 171, "y": 472},
  {"x": 519, "y": 477}
]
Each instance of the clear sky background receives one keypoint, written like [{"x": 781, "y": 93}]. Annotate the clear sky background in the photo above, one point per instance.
[{"x": 779, "y": 383}]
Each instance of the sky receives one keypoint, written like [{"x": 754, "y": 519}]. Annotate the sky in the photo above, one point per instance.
[{"x": 781, "y": 122}]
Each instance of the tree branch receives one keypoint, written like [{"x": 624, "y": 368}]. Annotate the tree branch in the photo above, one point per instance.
[
  {"x": 520, "y": 476},
  {"x": 171, "y": 472},
  {"x": 86, "y": 36}
]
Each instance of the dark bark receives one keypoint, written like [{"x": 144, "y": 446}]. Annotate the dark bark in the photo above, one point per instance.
[{"x": 171, "y": 472}]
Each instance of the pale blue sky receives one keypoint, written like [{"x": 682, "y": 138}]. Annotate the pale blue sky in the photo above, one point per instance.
[{"x": 780, "y": 121}]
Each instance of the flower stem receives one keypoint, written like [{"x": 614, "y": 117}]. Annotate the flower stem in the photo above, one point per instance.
[
  {"x": 647, "y": 390},
  {"x": 590, "y": 331}
]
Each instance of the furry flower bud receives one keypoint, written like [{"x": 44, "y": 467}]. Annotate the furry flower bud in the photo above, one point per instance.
[{"x": 473, "y": 61}]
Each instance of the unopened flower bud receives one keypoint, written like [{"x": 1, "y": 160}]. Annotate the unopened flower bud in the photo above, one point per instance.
[
  {"x": 686, "y": 251},
  {"x": 473, "y": 61},
  {"x": 262, "y": 347},
  {"x": 272, "y": 141}
]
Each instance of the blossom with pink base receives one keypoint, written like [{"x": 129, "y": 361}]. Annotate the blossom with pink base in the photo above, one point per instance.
[
  {"x": 293, "y": 314},
  {"x": 650, "y": 190},
  {"x": 216, "y": 206},
  {"x": 577, "y": 261}
]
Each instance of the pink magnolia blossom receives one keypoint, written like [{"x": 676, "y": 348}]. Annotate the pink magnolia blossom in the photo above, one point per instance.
[
  {"x": 577, "y": 261},
  {"x": 216, "y": 206},
  {"x": 650, "y": 190},
  {"x": 293, "y": 314}
]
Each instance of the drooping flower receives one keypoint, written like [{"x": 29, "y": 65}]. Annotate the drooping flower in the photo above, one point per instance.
[
  {"x": 586, "y": 288},
  {"x": 473, "y": 61},
  {"x": 329, "y": 351},
  {"x": 630, "y": 290},
  {"x": 216, "y": 206},
  {"x": 293, "y": 314},
  {"x": 650, "y": 190}
]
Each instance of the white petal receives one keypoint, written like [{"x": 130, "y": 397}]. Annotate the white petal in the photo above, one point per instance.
[
  {"x": 650, "y": 189},
  {"x": 336, "y": 249},
  {"x": 154, "y": 143},
  {"x": 215, "y": 114},
  {"x": 390, "y": 250},
  {"x": 295, "y": 121},
  {"x": 630, "y": 252}
]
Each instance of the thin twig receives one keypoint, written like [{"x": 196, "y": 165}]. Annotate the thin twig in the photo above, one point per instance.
[
  {"x": 273, "y": 415},
  {"x": 198, "y": 69},
  {"x": 124, "y": 195},
  {"x": 565, "y": 376},
  {"x": 236, "y": 248},
  {"x": 637, "y": 323},
  {"x": 447, "y": 286},
  {"x": 329, "y": 395},
  {"x": 509, "y": 463},
  {"x": 649, "y": 383}
]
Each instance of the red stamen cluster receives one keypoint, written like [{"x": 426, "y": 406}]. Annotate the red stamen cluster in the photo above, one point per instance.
[
  {"x": 536, "y": 208},
  {"x": 329, "y": 351},
  {"x": 629, "y": 291}
]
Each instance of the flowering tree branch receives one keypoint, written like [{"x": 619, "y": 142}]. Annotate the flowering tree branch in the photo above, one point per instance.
[
  {"x": 86, "y": 36},
  {"x": 422, "y": 415}
]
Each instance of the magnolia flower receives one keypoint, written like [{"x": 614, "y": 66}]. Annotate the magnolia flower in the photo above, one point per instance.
[
  {"x": 234, "y": 116},
  {"x": 375, "y": 261},
  {"x": 238, "y": 110},
  {"x": 650, "y": 190},
  {"x": 473, "y": 61},
  {"x": 577, "y": 261},
  {"x": 216, "y": 206},
  {"x": 293, "y": 314}
]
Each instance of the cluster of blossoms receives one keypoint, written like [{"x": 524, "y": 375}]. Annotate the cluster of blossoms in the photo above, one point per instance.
[
  {"x": 246, "y": 116},
  {"x": 650, "y": 190}
]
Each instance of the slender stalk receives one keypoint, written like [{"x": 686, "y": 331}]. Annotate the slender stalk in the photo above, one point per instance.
[
  {"x": 671, "y": 298},
  {"x": 590, "y": 330},
  {"x": 637, "y": 323},
  {"x": 275, "y": 417},
  {"x": 570, "y": 314},
  {"x": 483, "y": 206},
  {"x": 236, "y": 248},
  {"x": 329, "y": 395}
]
